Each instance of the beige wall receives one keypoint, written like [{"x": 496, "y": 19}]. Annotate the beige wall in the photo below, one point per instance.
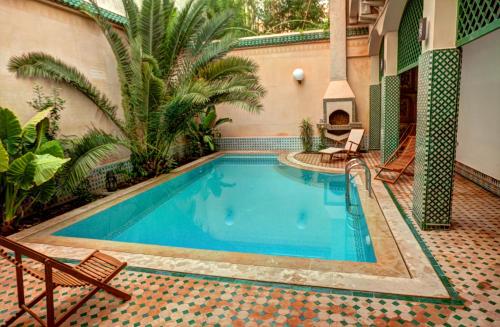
[
  {"x": 479, "y": 113},
  {"x": 288, "y": 102},
  {"x": 29, "y": 25}
]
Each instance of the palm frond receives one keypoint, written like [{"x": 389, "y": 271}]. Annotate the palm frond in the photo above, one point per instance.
[
  {"x": 86, "y": 153},
  {"x": 151, "y": 26},
  {"x": 227, "y": 66},
  {"x": 120, "y": 50},
  {"x": 180, "y": 30},
  {"x": 41, "y": 65},
  {"x": 212, "y": 30},
  {"x": 211, "y": 52},
  {"x": 132, "y": 13}
]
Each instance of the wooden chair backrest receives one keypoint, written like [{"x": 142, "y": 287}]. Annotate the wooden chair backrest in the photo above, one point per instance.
[
  {"x": 23, "y": 250},
  {"x": 355, "y": 137}
]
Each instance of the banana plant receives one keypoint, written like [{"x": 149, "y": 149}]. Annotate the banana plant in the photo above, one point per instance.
[
  {"x": 203, "y": 129},
  {"x": 28, "y": 164}
]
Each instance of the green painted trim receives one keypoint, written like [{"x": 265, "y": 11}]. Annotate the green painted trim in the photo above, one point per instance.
[
  {"x": 479, "y": 33},
  {"x": 437, "y": 268}
]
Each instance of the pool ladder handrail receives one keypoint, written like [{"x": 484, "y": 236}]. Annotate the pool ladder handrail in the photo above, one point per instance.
[{"x": 357, "y": 162}]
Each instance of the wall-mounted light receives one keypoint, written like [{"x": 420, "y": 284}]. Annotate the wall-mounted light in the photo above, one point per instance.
[
  {"x": 298, "y": 75},
  {"x": 422, "y": 29}
]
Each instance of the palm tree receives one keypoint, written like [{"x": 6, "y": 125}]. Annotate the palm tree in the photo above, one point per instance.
[{"x": 171, "y": 64}]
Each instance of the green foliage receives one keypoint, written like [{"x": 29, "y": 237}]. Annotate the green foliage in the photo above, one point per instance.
[
  {"x": 171, "y": 65},
  {"x": 86, "y": 152},
  {"x": 54, "y": 102},
  {"x": 306, "y": 135},
  {"x": 322, "y": 138},
  {"x": 251, "y": 17},
  {"x": 28, "y": 163},
  {"x": 203, "y": 130}
]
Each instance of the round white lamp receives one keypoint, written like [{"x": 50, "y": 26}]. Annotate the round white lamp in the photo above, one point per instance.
[{"x": 298, "y": 75}]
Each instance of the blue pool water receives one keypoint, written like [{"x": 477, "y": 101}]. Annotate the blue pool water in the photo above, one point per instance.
[{"x": 240, "y": 203}]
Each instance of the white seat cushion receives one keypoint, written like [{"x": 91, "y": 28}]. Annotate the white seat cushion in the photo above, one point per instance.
[{"x": 331, "y": 150}]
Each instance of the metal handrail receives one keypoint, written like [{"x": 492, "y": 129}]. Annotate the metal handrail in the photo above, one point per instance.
[{"x": 357, "y": 162}]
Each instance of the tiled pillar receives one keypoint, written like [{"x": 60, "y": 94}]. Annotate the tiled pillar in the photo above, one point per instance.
[
  {"x": 389, "y": 133},
  {"x": 375, "y": 117},
  {"x": 389, "y": 130},
  {"x": 437, "y": 117}
]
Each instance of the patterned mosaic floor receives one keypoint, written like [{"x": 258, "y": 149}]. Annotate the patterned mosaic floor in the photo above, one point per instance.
[{"x": 468, "y": 253}]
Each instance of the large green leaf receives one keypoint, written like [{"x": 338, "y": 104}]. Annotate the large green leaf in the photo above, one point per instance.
[
  {"x": 22, "y": 171},
  {"x": 52, "y": 147},
  {"x": 45, "y": 192},
  {"x": 30, "y": 132},
  {"x": 46, "y": 166},
  {"x": 4, "y": 159},
  {"x": 10, "y": 130}
]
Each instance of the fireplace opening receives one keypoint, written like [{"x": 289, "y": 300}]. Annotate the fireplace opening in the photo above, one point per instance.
[{"x": 339, "y": 117}]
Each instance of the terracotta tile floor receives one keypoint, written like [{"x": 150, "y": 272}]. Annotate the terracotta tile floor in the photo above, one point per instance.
[{"x": 468, "y": 253}]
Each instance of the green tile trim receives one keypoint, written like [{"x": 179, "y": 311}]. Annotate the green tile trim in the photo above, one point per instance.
[
  {"x": 324, "y": 290},
  {"x": 475, "y": 19},
  {"x": 111, "y": 16},
  {"x": 375, "y": 117},
  {"x": 437, "y": 120},
  {"x": 389, "y": 131},
  {"x": 487, "y": 182},
  {"x": 262, "y": 41},
  {"x": 356, "y": 31},
  {"x": 283, "y": 39},
  {"x": 437, "y": 268}
]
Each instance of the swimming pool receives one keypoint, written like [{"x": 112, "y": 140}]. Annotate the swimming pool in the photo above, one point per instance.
[{"x": 240, "y": 203}]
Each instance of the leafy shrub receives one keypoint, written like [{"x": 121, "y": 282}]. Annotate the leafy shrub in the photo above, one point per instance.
[{"x": 306, "y": 135}]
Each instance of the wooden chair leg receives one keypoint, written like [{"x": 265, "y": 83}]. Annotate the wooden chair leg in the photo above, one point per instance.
[
  {"x": 19, "y": 280},
  {"x": 49, "y": 289}
]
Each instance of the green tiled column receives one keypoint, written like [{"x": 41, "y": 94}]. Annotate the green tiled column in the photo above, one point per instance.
[
  {"x": 375, "y": 117},
  {"x": 389, "y": 139},
  {"x": 437, "y": 117}
]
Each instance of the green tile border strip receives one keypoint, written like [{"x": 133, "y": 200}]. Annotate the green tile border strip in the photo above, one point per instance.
[
  {"x": 487, "y": 182},
  {"x": 455, "y": 297},
  {"x": 324, "y": 290},
  {"x": 262, "y": 41},
  {"x": 111, "y": 16}
]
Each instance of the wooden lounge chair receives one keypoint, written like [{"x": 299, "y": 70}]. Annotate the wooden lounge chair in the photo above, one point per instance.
[
  {"x": 398, "y": 161},
  {"x": 95, "y": 271},
  {"x": 351, "y": 146}
]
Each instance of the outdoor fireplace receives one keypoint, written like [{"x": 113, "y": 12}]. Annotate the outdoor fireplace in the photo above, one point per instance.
[{"x": 339, "y": 117}]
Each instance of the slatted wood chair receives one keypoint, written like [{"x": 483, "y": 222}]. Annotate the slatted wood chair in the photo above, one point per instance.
[
  {"x": 94, "y": 271},
  {"x": 398, "y": 162},
  {"x": 349, "y": 150}
]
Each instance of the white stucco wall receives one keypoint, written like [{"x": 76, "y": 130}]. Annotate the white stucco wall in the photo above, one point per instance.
[{"x": 479, "y": 113}]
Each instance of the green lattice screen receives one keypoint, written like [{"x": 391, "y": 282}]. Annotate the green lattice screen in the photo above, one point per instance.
[
  {"x": 476, "y": 18},
  {"x": 409, "y": 47}
]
